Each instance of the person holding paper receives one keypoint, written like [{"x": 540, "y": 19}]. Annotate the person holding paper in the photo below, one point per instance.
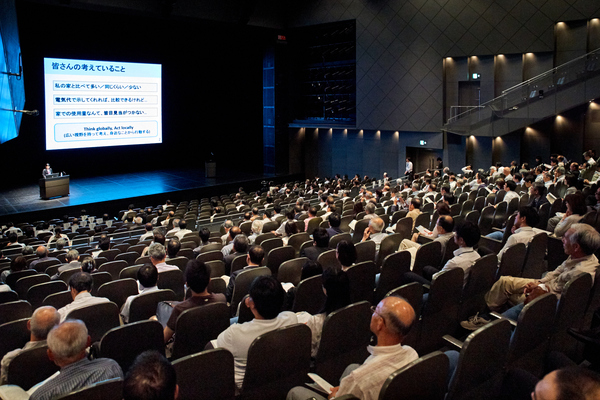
[{"x": 391, "y": 321}]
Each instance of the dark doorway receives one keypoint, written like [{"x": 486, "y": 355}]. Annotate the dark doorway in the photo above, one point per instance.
[{"x": 423, "y": 158}]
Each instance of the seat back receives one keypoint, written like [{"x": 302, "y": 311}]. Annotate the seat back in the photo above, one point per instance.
[
  {"x": 42, "y": 265},
  {"x": 428, "y": 254},
  {"x": 37, "y": 293},
  {"x": 129, "y": 272},
  {"x": 118, "y": 345},
  {"x": 393, "y": 268},
  {"x": 286, "y": 367},
  {"x": 197, "y": 326},
  {"x": 243, "y": 282},
  {"x": 359, "y": 229},
  {"x": 313, "y": 224},
  {"x": 424, "y": 220},
  {"x": 278, "y": 256},
  {"x": 14, "y": 310},
  {"x": 388, "y": 246},
  {"x": 345, "y": 222},
  {"x": 114, "y": 268},
  {"x": 211, "y": 247},
  {"x": 111, "y": 389},
  {"x": 239, "y": 262},
  {"x": 365, "y": 251},
  {"x": 544, "y": 212},
  {"x": 144, "y": 306},
  {"x": 486, "y": 220},
  {"x": 362, "y": 281},
  {"x": 466, "y": 207},
  {"x": 473, "y": 216},
  {"x": 534, "y": 265},
  {"x": 13, "y": 277},
  {"x": 404, "y": 227},
  {"x": 500, "y": 214},
  {"x": 529, "y": 341},
  {"x": 98, "y": 318},
  {"x": 424, "y": 378},
  {"x": 297, "y": 240},
  {"x": 291, "y": 270},
  {"x": 14, "y": 335},
  {"x": 180, "y": 262},
  {"x": 173, "y": 280},
  {"x": 344, "y": 340},
  {"x": 512, "y": 261},
  {"x": 439, "y": 316},
  {"x": 109, "y": 254},
  {"x": 309, "y": 295},
  {"x": 117, "y": 291},
  {"x": 100, "y": 278},
  {"x": 335, "y": 239},
  {"x": 30, "y": 367},
  {"x": 482, "y": 276},
  {"x": 570, "y": 312},
  {"x": 23, "y": 284},
  {"x": 209, "y": 374},
  {"x": 58, "y": 300},
  {"x": 128, "y": 256},
  {"x": 328, "y": 259},
  {"x": 8, "y": 296},
  {"x": 215, "y": 255},
  {"x": 481, "y": 362}
]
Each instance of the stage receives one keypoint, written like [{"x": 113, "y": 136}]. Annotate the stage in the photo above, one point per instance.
[{"x": 112, "y": 193}]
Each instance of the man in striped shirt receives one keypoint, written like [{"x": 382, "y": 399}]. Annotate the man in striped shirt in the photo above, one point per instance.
[{"x": 66, "y": 348}]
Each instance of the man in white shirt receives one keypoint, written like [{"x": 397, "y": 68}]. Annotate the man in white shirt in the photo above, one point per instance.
[
  {"x": 580, "y": 243},
  {"x": 80, "y": 285},
  {"x": 522, "y": 231},
  {"x": 175, "y": 229},
  {"x": 391, "y": 322},
  {"x": 442, "y": 233},
  {"x": 182, "y": 230},
  {"x": 374, "y": 233},
  {"x": 509, "y": 187},
  {"x": 158, "y": 255},
  {"x": 409, "y": 168},
  {"x": 147, "y": 277},
  {"x": 265, "y": 300}
]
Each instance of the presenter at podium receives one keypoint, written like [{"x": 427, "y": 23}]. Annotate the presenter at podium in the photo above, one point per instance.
[{"x": 47, "y": 171}]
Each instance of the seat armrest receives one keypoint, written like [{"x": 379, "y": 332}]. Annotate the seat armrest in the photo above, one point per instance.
[
  {"x": 426, "y": 287},
  {"x": 453, "y": 341},
  {"x": 500, "y": 316}
]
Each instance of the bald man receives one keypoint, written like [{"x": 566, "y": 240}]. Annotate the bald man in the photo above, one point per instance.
[
  {"x": 67, "y": 343},
  {"x": 40, "y": 323},
  {"x": 42, "y": 253},
  {"x": 390, "y": 322}
]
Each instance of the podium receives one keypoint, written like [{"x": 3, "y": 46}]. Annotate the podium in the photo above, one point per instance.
[{"x": 54, "y": 187}]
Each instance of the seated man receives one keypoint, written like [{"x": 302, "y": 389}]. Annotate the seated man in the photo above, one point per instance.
[
  {"x": 466, "y": 235},
  {"x": 265, "y": 302},
  {"x": 147, "y": 277},
  {"x": 197, "y": 278},
  {"x": 204, "y": 235},
  {"x": 151, "y": 376},
  {"x": 233, "y": 232},
  {"x": 580, "y": 243},
  {"x": 103, "y": 245},
  {"x": 72, "y": 261},
  {"x": 254, "y": 258},
  {"x": 40, "y": 323},
  {"x": 239, "y": 248},
  {"x": 148, "y": 234},
  {"x": 183, "y": 230},
  {"x": 414, "y": 210},
  {"x": 175, "y": 229},
  {"x": 391, "y": 322},
  {"x": 375, "y": 233},
  {"x": 443, "y": 234},
  {"x": 67, "y": 344},
  {"x": 80, "y": 285},
  {"x": 173, "y": 248},
  {"x": 335, "y": 220},
  {"x": 42, "y": 253},
  {"x": 522, "y": 230},
  {"x": 320, "y": 245},
  {"x": 158, "y": 255},
  {"x": 370, "y": 210}
]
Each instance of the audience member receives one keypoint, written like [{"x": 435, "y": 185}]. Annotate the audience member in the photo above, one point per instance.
[
  {"x": 320, "y": 245},
  {"x": 147, "y": 277},
  {"x": 254, "y": 258},
  {"x": 150, "y": 377},
  {"x": 158, "y": 256}
]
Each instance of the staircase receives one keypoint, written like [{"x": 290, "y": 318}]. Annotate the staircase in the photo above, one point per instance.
[{"x": 557, "y": 90}]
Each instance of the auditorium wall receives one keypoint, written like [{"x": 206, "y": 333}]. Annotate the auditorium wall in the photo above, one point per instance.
[{"x": 401, "y": 44}]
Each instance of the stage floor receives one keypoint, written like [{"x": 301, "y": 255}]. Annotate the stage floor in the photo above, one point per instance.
[{"x": 114, "y": 187}]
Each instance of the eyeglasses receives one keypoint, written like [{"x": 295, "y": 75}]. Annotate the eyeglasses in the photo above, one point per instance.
[{"x": 374, "y": 311}]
